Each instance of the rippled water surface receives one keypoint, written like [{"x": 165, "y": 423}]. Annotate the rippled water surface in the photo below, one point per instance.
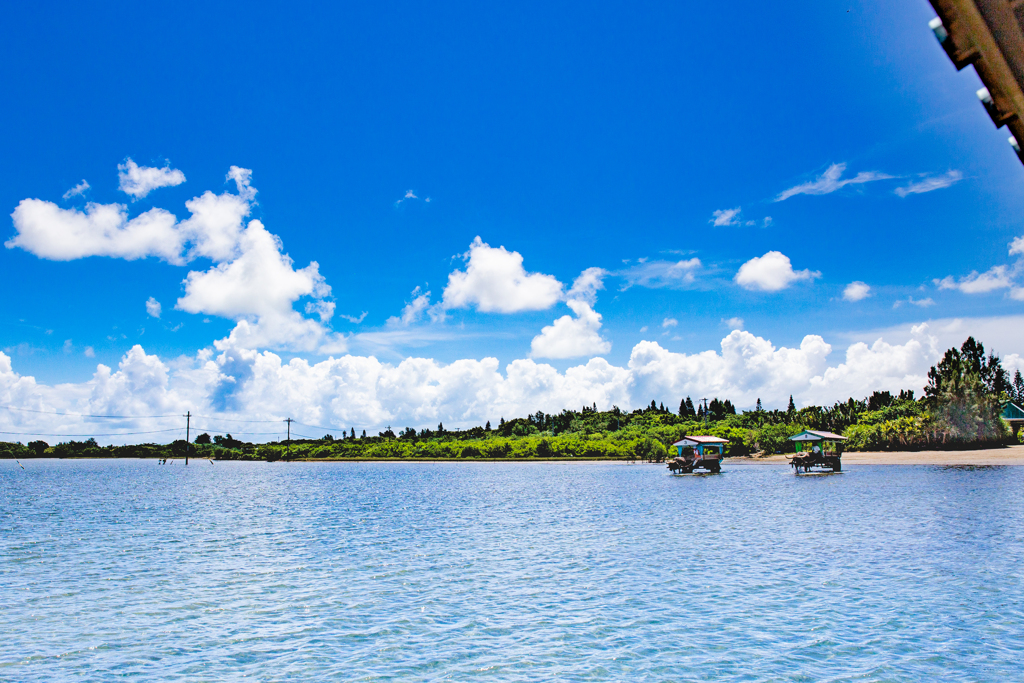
[{"x": 508, "y": 572}]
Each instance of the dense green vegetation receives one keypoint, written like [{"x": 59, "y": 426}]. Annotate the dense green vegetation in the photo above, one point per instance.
[{"x": 960, "y": 409}]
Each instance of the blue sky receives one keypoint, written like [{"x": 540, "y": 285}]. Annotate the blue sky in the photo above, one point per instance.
[{"x": 576, "y": 136}]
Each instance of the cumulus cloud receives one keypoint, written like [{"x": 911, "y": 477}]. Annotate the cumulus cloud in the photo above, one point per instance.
[
  {"x": 153, "y": 307},
  {"x": 252, "y": 281},
  {"x": 586, "y": 285},
  {"x": 1017, "y": 246},
  {"x": 725, "y": 217},
  {"x": 771, "y": 273},
  {"x": 365, "y": 393},
  {"x": 669, "y": 322},
  {"x": 495, "y": 281},
  {"x": 213, "y": 230},
  {"x": 48, "y": 231},
  {"x": 929, "y": 184},
  {"x": 216, "y": 224},
  {"x": 570, "y": 337},
  {"x": 78, "y": 189},
  {"x": 856, "y": 291},
  {"x": 656, "y": 274},
  {"x": 996, "y": 277},
  {"x": 258, "y": 289},
  {"x": 734, "y": 323},
  {"x": 830, "y": 181},
  {"x": 138, "y": 181},
  {"x": 322, "y": 309}
]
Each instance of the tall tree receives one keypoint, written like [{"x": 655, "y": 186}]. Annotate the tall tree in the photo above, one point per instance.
[
  {"x": 1018, "y": 389},
  {"x": 791, "y": 408}
]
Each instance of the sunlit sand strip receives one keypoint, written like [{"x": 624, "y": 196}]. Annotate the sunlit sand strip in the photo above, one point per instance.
[{"x": 1011, "y": 455}]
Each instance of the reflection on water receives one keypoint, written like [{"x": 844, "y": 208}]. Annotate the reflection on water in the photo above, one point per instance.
[
  {"x": 508, "y": 572},
  {"x": 970, "y": 468}
]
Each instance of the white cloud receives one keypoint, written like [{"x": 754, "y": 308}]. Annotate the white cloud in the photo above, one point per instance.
[
  {"x": 586, "y": 285},
  {"x": 725, "y": 217},
  {"x": 830, "y": 181},
  {"x": 669, "y": 322},
  {"x": 929, "y": 184},
  {"x": 258, "y": 289},
  {"x": 767, "y": 221},
  {"x": 89, "y": 352},
  {"x": 153, "y": 307},
  {"x": 365, "y": 393},
  {"x": 48, "y": 231},
  {"x": 921, "y": 303},
  {"x": 734, "y": 323},
  {"x": 68, "y": 346},
  {"x": 409, "y": 194},
  {"x": 570, "y": 337},
  {"x": 414, "y": 310},
  {"x": 496, "y": 282},
  {"x": 78, "y": 189},
  {"x": 215, "y": 226},
  {"x": 355, "y": 318},
  {"x": 1017, "y": 246},
  {"x": 252, "y": 281},
  {"x": 654, "y": 274},
  {"x": 856, "y": 291},
  {"x": 138, "y": 181},
  {"x": 243, "y": 182},
  {"x": 213, "y": 230},
  {"x": 771, "y": 273},
  {"x": 322, "y": 309},
  {"x": 996, "y": 277}
]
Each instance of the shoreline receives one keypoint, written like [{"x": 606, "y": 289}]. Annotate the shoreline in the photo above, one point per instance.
[{"x": 1008, "y": 455}]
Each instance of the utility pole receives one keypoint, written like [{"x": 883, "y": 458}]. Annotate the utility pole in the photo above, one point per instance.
[
  {"x": 289, "y": 421},
  {"x": 188, "y": 427}
]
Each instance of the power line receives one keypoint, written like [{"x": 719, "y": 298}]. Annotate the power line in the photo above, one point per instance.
[
  {"x": 224, "y": 419},
  {"x": 330, "y": 429},
  {"x": 306, "y": 436},
  {"x": 155, "y": 431},
  {"x": 111, "y": 417}
]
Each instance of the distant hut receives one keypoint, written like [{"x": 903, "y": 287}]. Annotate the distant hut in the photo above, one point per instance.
[
  {"x": 1013, "y": 415},
  {"x": 698, "y": 452},
  {"x": 807, "y": 439},
  {"x": 811, "y": 446},
  {"x": 703, "y": 445}
]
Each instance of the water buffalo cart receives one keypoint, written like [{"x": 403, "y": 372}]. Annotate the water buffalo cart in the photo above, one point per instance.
[
  {"x": 698, "y": 453},
  {"x": 818, "y": 450}
]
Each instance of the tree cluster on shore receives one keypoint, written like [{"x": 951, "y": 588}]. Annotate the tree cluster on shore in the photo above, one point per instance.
[{"x": 960, "y": 408}]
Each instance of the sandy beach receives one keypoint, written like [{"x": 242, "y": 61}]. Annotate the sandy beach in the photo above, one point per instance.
[{"x": 1010, "y": 455}]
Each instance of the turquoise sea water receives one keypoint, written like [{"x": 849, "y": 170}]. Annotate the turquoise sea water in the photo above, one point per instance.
[{"x": 508, "y": 572}]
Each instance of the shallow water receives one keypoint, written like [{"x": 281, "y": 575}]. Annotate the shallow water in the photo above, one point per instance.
[{"x": 508, "y": 572}]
